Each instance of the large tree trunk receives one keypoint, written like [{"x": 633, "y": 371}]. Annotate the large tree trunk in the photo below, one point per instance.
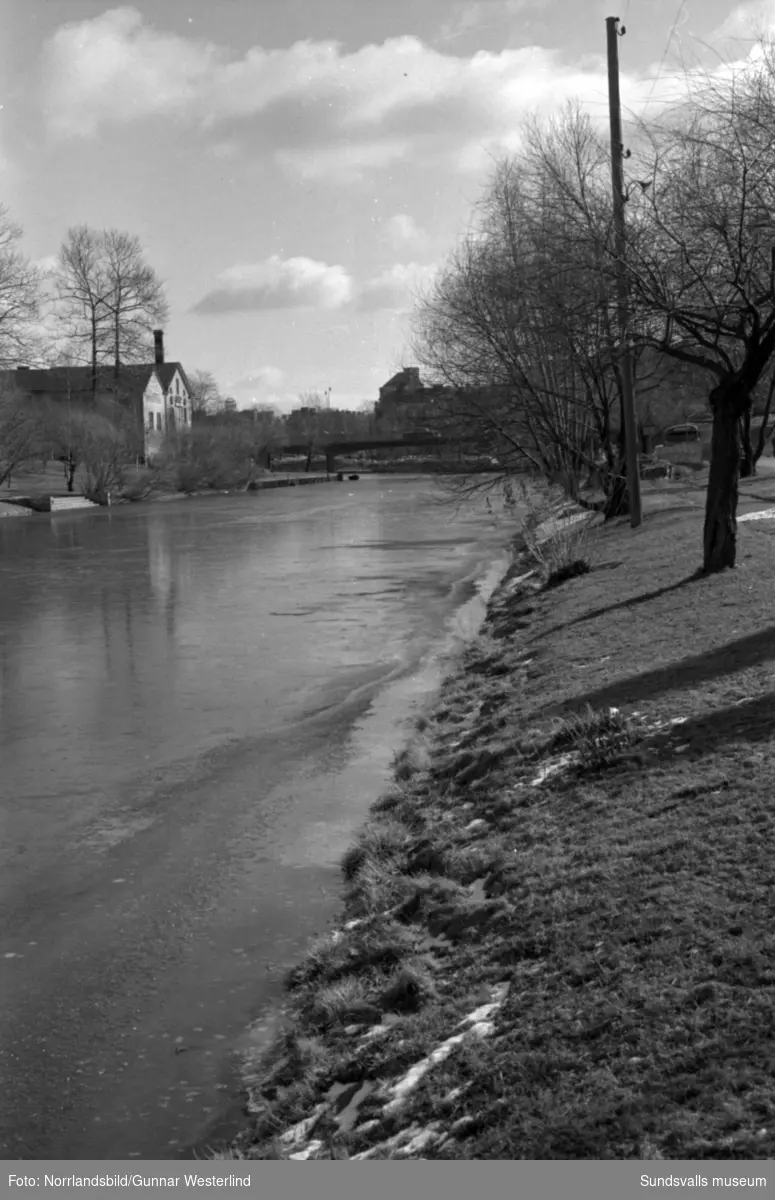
[
  {"x": 117, "y": 346},
  {"x": 764, "y": 430},
  {"x": 94, "y": 355},
  {"x": 747, "y": 458},
  {"x": 617, "y": 497},
  {"x": 720, "y": 533}
]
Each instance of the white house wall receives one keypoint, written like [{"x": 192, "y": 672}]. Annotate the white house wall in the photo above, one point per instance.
[
  {"x": 153, "y": 404},
  {"x": 178, "y": 402}
]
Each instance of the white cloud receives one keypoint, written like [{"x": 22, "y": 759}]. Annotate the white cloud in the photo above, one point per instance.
[
  {"x": 395, "y": 288},
  {"x": 115, "y": 68},
  {"x": 224, "y": 150},
  {"x": 302, "y": 282},
  {"x": 10, "y": 169},
  {"x": 747, "y": 21},
  {"x": 326, "y": 113},
  {"x": 259, "y": 378},
  {"x": 47, "y": 264},
  {"x": 403, "y": 231},
  {"x": 468, "y": 16},
  {"x": 277, "y": 283},
  {"x": 343, "y": 162}
]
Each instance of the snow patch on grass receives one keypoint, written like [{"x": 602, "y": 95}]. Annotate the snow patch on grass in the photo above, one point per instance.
[{"x": 764, "y": 514}]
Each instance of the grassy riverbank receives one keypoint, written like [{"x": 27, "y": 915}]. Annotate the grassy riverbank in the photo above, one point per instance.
[{"x": 558, "y": 934}]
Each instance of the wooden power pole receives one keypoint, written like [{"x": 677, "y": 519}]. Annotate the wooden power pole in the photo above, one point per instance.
[{"x": 617, "y": 176}]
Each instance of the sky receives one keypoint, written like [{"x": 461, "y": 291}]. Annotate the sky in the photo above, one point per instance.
[{"x": 297, "y": 169}]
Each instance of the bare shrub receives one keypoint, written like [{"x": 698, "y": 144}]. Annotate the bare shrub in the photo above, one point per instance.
[
  {"x": 597, "y": 738},
  {"x": 19, "y": 431},
  {"x": 107, "y": 444},
  {"x": 557, "y": 537}
]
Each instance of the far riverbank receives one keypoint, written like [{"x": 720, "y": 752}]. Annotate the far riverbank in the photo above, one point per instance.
[{"x": 41, "y": 492}]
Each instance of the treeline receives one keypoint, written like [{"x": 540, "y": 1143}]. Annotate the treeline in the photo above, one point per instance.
[
  {"x": 99, "y": 443},
  {"x": 523, "y": 319},
  {"x": 229, "y": 449},
  {"x": 96, "y": 306}
]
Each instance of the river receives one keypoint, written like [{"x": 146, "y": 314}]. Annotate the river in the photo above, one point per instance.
[{"x": 199, "y": 699}]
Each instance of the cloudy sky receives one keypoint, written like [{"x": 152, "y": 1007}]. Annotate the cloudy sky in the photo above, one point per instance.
[{"x": 295, "y": 168}]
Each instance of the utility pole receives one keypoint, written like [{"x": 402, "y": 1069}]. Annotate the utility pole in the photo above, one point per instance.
[{"x": 617, "y": 176}]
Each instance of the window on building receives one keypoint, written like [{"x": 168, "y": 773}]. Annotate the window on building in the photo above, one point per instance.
[
  {"x": 150, "y": 420},
  {"x": 158, "y": 420}
]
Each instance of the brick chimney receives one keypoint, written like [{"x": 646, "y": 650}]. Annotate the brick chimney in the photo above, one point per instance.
[{"x": 158, "y": 346}]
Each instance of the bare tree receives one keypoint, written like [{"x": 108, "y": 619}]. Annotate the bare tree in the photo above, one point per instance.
[
  {"x": 19, "y": 297},
  {"x": 304, "y": 424},
  {"x": 312, "y": 399},
  {"x": 108, "y": 442},
  {"x": 107, "y": 298},
  {"x": 219, "y": 452},
  {"x": 701, "y": 260},
  {"x": 64, "y": 425},
  {"x": 263, "y": 432},
  {"x": 136, "y": 300},
  {"x": 82, "y": 294},
  {"x": 521, "y": 324},
  {"x": 20, "y": 431},
  {"x": 204, "y": 393}
]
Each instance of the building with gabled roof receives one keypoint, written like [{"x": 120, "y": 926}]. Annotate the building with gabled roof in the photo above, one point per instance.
[{"x": 158, "y": 394}]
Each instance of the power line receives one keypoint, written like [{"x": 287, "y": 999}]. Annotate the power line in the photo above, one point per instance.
[{"x": 667, "y": 47}]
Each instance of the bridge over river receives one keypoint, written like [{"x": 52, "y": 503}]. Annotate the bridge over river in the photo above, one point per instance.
[{"x": 345, "y": 446}]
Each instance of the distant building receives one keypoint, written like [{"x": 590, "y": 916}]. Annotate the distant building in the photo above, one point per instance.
[
  {"x": 156, "y": 394},
  {"x": 403, "y": 385},
  {"x": 405, "y": 401}
]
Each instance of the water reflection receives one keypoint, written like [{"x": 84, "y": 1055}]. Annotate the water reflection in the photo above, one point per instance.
[
  {"x": 160, "y": 566},
  {"x": 169, "y": 571},
  {"x": 166, "y": 630}
]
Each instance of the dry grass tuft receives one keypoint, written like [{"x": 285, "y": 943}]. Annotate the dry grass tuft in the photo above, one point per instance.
[
  {"x": 410, "y": 762},
  {"x": 558, "y": 541},
  {"x": 377, "y": 843}
]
